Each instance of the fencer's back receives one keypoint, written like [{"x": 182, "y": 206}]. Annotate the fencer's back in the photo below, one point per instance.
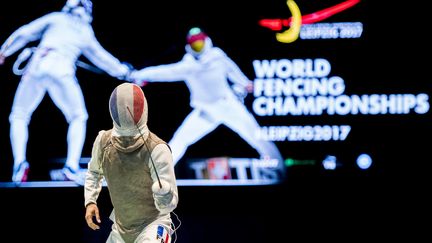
[{"x": 66, "y": 34}]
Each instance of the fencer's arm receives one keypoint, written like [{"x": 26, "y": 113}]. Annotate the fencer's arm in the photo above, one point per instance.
[
  {"x": 166, "y": 201},
  {"x": 104, "y": 60},
  {"x": 94, "y": 176},
  {"x": 25, "y": 34},
  {"x": 235, "y": 74},
  {"x": 162, "y": 73}
]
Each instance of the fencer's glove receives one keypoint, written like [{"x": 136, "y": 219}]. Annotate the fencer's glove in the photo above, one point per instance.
[
  {"x": 126, "y": 76},
  {"x": 162, "y": 196},
  {"x": 128, "y": 65},
  {"x": 132, "y": 78},
  {"x": 242, "y": 91},
  {"x": 157, "y": 190},
  {"x": 239, "y": 91}
]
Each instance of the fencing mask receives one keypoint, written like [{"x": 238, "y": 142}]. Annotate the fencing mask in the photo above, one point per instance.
[
  {"x": 198, "y": 42},
  {"x": 128, "y": 110}
]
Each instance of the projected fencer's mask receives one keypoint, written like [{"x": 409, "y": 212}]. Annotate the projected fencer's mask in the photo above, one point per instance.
[
  {"x": 128, "y": 110},
  {"x": 197, "y": 42},
  {"x": 80, "y": 8}
]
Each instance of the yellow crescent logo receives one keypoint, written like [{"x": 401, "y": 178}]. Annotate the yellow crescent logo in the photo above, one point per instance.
[{"x": 293, "y": 32}]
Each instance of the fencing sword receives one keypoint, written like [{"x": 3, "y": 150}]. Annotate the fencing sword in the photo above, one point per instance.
[
  {"x": 27, "y": 52},
  {"x": 142, "y": 136}
]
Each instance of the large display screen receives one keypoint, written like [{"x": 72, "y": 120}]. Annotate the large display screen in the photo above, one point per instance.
[{"x": 327, "y": 93}]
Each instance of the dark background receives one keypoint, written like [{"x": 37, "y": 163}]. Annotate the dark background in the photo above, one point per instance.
[{"x": 347, "y": 203}]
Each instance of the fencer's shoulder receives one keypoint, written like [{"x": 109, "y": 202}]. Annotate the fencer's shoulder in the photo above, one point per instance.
[
  {"x": 103, "y": 137},
  {"x": 157, "y": 142},
  {"x": 217, "y": 52},
  {"x": 89, "y": 29},
  {"x": 187, "y": 58},
  {"x": 106, "y": 132},
  {"x": 57, "y": 17},
  {"x": 57, "y": 14},
  {"x": 103, "y": 134},
  {"x": 155, "y": 138},
  {"x": 53, "y": 15}
]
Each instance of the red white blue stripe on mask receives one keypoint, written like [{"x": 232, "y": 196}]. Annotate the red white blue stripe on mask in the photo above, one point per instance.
[{"x": 127, "y": 96}]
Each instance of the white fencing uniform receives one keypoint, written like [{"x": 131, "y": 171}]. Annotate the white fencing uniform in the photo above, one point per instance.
[
  {"x": 63, "y": 36},
  {"x": 138, "y": 169},
  {"x": 206, "y": 74}
]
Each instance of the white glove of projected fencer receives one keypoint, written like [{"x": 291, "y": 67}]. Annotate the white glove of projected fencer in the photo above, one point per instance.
[
  {"x": 136, "y": 78},
  {"x": 242, "y": 91}
]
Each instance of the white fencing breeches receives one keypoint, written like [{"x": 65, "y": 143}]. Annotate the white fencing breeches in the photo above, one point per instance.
[
  {"x": 205, "y": 119},
  {"x": 159, "y": 231},
  {"x": 66, "y": 95}
]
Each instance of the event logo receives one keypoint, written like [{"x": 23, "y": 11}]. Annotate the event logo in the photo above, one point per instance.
[
  {"x": 306, "y": 27},
  {"x": 307, "y": 87}
]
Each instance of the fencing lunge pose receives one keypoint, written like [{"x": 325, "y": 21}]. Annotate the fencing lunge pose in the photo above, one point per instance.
[
  {"x": 207, "y": 70},
  {"x": 138, "y": 169},
  {"x": 64, "y": 36}
]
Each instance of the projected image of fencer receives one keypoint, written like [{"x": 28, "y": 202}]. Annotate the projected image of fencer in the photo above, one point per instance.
[
  {"x": 207, "y": 70},
  {"x": 63, "y": 37}
]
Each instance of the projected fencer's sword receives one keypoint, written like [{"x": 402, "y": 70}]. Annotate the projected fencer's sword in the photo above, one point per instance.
[{"x": 27, "y": 52}]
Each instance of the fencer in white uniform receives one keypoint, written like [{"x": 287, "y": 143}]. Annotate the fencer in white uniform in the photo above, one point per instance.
[
  {"x": 138, "y": 169},
  {"x": 64, "y": 36},
  {"x": 206, "y": 70}
]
